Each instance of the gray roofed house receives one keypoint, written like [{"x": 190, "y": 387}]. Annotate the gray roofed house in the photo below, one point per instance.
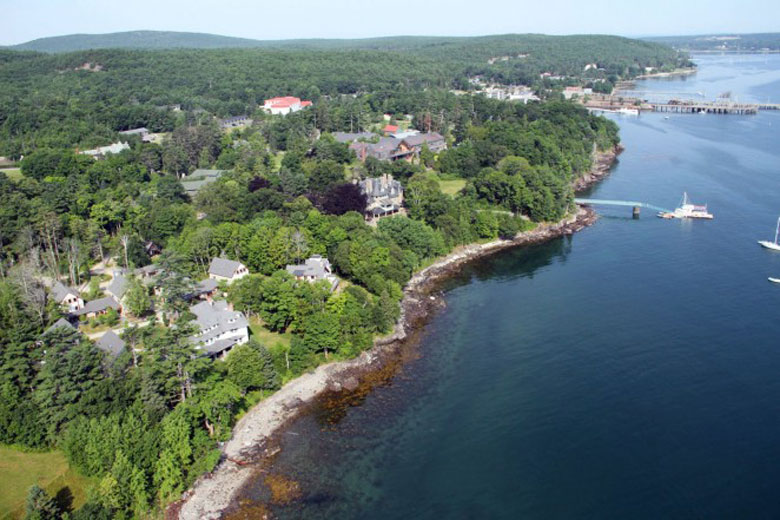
[
  {"x": 205, "y": 289},
  {"x": 118, "y": 286},
  {"x": 62, "y": 322},
  {"x": 434, "y": 140},
  {"x": 394, "y": 148},
  {"x": 225, "y": 269},
  {"x": 67, "y": 296},
  {"x": 195, "y": 181},
  {"x": 221, "y": 328},
  {"x": 99, "y": 306},
  {"x": 347, "y": 137},
  {"x": 143, "y": 132},
  {"x": 385, "y": 195},
  {"x": 315, "y": 268},
  {"x": 111, "y": 344}
]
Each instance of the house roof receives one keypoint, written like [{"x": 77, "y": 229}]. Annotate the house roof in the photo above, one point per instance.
[
  {"x": 315, "y": 266},
  {"x": 61, "y": 291},
  {"x": 99, "y": 305},
  {"x": 420, "y": 139},
  {"x": 390, "y": 128},
  {"x": 283, "y": 102},
  {"x": 224, "y": 267},
  {"x": 135, "y": 131},
  {"x": 206, "y": 286},
  {"x": 199, "y": 178},
  {"x": 110, "y": 343},
  {"x": 215, "y": 319},
  {"x": 117, "y": 287},
  {"x": 346, "y": 137},
  {"x": 62, "y": 322}
]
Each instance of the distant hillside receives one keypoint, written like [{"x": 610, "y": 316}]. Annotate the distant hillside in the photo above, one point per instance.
[
  {"x": 135, "y": 40},
  {"x": 722, "y": 42}
]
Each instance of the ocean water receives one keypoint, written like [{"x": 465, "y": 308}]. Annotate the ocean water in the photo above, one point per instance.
[{"x": 629, "y": 371}]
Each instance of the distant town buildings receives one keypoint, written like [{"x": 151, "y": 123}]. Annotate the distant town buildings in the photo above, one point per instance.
[
  {"x": 570, "y": 92},
  {"x": 221, "y": 328},
  {"x": 315, "y": 268},
  {"x": 385, "y": 195},
  {"x": 222, "y": 269},
  {"x": 284, "y": 105}
]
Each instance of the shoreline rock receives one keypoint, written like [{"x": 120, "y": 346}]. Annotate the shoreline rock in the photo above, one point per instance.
[{"x": 252, "y": 442}]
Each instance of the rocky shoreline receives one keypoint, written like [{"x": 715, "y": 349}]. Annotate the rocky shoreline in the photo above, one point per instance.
[{"x": 252, "y": 440}]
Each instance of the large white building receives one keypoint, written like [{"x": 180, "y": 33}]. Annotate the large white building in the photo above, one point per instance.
[{"x": 284, "y": 105}]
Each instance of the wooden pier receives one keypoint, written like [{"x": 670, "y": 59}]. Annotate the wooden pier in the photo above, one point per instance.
[{"x": 698, "y": 107}]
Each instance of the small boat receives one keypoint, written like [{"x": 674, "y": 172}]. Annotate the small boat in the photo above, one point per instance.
[
  {"x": 629, "y": 111},
  {"x": 772, "y": 245},
  {"x": 774, "y": 280},
  {"x": 688, "y": 210}
]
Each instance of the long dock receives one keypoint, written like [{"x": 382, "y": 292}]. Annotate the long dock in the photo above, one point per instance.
[{"x": 628, "y": 203}]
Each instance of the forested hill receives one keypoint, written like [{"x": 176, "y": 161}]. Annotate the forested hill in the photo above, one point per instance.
[
  {"x": 527, "y": 52},
  {"x": 135, "y": 40},
  {"x": 757, "y": 42}
]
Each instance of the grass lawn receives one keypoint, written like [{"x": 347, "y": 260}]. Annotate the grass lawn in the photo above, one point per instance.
[
  {"x": 13, "y": 174},
  {"x": 452, "y": 187},
  {"x": 19, "y": 471},
  {"x": 265, "y": 336}
]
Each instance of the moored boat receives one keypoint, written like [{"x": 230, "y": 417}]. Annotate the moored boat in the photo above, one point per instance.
[
  {"x": 774, "y": 280},
  {"x": 688, "y": 210},
  {"x": 772, "y": 245}
]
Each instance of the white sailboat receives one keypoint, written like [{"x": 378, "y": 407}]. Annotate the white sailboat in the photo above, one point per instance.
[{"x": 772, "y": 245}]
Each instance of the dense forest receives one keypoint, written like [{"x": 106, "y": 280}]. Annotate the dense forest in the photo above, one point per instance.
[{"x": 82, "y": 98}]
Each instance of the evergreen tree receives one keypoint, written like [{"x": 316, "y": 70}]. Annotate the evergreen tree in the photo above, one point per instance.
[{"x": 40, "y": 506}]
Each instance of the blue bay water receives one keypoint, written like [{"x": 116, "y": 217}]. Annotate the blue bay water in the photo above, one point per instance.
[{"x": 629, "y": 371}]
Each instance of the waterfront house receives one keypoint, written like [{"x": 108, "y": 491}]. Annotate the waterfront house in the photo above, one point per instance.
[
  {"x": 221, "y": 328},
  {"x": 384, "y": 195},
  {"x": 315, "y": 268},
  {"x": 347, "y": 137},
  {"x": 284, "y": 105},
  {"x": 222, "y": 269},
  {"x": 67, "y": 297}
]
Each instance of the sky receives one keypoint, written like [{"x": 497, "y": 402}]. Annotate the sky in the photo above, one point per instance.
[{"x": 25, "y": 20}]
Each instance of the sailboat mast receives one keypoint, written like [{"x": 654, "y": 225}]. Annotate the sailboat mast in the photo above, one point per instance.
[{"x": 777, "y": 229}]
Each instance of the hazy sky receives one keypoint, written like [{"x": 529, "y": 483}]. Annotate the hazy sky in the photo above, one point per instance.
[{"x": 25, "y": 20}]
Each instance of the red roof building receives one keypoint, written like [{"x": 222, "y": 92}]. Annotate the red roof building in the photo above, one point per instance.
[
  {"x": 285, "y": 105},
  {"x": 390, "y": 129}
]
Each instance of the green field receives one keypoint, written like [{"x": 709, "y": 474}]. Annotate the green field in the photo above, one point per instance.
[
  {"x": 452, "y": 187},
  {"x": 265, "y": 336},
  {"x": 14, "y": 174},
  {"x": 20, "y": 470}
]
